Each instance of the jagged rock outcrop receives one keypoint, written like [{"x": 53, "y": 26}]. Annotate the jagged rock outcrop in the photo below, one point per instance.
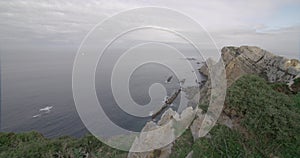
[
  {"x": 253, "y": 60},
  {"x": 161, "y": 134}
]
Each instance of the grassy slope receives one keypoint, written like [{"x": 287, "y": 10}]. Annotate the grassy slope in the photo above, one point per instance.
[
  {"x": 271, "y": 117},
  {"x": 268, "y": 125},
  {"x": 33, "y": 144}
]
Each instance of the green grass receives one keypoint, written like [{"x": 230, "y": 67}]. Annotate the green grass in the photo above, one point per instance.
[
  {"x": 33, "y": 144},
  {"x": 270, "y": 116},
  {"x": 296, "y": 100},
  {"x": 281, "y": 87},
  {"x": 223, "y": 142},
  {"x": 182, "y": 145}
]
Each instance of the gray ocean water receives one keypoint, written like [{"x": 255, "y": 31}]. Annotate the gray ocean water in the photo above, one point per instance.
[{"x": 35, "y": 80}]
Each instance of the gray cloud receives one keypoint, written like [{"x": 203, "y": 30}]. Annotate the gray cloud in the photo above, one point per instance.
[{"x": 57, "y": 22}]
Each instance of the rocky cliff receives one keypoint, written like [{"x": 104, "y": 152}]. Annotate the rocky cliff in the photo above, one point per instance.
[{"x": 253, "y": 60}]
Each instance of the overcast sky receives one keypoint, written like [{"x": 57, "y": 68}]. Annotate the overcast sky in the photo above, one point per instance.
[{"x": 270, "y": 24}]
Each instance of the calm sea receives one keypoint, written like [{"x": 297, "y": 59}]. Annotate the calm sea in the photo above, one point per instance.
[{"x": 35, "y": 81}]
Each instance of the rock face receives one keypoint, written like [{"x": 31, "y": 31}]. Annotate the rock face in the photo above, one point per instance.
[
  {"x": 253, "y": 60},
  {"x": 161, "y": 134}
]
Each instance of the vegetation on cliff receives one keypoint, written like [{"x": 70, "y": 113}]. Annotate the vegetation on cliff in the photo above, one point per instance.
[{"x": 266, "y": 124}]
